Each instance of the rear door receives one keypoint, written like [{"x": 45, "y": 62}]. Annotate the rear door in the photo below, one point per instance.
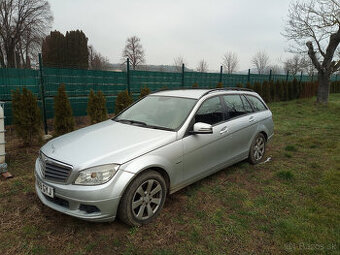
[
  {"x": 241, "y": 126},
  {"x": 260, "y": 109}
]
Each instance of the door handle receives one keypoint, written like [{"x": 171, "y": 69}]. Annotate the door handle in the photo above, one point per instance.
[
  {"x": 224, "y": 130},
  {"x": 251, "y": 119}
]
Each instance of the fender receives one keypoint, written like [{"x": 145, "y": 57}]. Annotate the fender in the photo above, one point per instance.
[{"x": 145, "y": 162}]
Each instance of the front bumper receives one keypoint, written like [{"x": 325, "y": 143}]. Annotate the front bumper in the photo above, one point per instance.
[{"x": 75, "y": 200}]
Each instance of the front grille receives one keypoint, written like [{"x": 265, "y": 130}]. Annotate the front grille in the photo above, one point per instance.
[{"x": 54, "y": 170}]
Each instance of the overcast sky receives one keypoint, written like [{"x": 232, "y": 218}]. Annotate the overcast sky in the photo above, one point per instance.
[{"x": 189, "y": 28}]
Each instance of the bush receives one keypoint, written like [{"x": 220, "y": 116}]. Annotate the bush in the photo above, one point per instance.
[
  {"x": 266, "y": 91},
  {"x": 281, "y": 93},
  {"x": 239, "y": 85},
  {"x": 63, "y": 118},
  {"x": 123, "y": 101},
  {"x": 273, "y": 90},
  {"x": 144, "y": 92},
  {"x": 195, "y": 85},
  {"x": 284, "y": 91},
  {"x": 26, "y": 116},
  {"x": 219, "y": 85},
  {"x": 257, "y": 88},
  {"x": 294, "y": 89},
  {"x": 96, "y": 107},
  {"x": 249, "y": 86},
  {"x": 335, "y": 87}
]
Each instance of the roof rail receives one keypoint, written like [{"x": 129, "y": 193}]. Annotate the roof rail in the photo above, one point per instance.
[
  {"x": 208, "y": 90},
  {"x": 231, "y": 88}
]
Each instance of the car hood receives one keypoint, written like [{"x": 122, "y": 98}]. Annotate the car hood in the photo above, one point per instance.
[{"x": 104, "y": 143}]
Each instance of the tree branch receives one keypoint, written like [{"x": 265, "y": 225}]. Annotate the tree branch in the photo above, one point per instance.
[
  {"x": 334, "y": 41},
  {"x": 312, "y": 55}
]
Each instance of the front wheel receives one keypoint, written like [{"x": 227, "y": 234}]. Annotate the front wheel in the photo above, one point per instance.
[
  {"x": 257, "y": 149},
  {"x": 143, "y": 199}
]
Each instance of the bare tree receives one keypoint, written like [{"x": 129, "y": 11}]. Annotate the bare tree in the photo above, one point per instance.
[
  {"x": 202, "y": 66},
  {"x": 134, "y": 51},
  {"x": 261, "y": 61},
  {"x": 178, "y": 62},
  {"x": 23, "y": 24},
  {"x": 96, "y": 60},
  {"x": 276, "y": 69},
  {"x": 316, "y": 24},
  {"x": 230, "y": 62},
  {"x": 308, "y": 66},
  {"x": 294, "y": 64}
]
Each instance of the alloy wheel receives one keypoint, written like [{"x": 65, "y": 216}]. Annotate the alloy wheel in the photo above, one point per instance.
[{"x": 147, "y": 199}]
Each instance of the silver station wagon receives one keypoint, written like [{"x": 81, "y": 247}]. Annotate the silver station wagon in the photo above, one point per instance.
[{"x": 126, "y": 166}]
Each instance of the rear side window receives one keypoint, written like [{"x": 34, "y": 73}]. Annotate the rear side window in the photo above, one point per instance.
[
  {"x": 211, "y": 111},
  {"x": 256, "y": 103},
  {"x": 246, "y": 104},
  {"x": 235, "y": 106}
]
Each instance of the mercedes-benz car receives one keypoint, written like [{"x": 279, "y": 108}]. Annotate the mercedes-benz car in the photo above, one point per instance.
[{"x": 128, "y": 165}]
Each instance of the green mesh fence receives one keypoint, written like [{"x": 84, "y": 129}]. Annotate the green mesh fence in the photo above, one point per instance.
[
  {"x": 12, "y": 79},
  {"x": 79, "y": 83},
  {"x": 154, "y": 80},
  {"x": 231, "y": 80},
  {"x": 204, "y": 80}
]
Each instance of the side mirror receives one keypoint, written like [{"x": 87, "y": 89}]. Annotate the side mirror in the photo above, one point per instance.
[{"x": 202, "y": 128}]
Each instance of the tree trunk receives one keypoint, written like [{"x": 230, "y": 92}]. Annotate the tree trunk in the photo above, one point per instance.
[
  {"x": 10, "y": 57},
  {"x": 323, "y": 88}
]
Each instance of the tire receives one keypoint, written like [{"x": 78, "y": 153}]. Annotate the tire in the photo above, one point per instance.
[
  {"x": 257, "y": 149},
  {"x": 143, "y": 199}
]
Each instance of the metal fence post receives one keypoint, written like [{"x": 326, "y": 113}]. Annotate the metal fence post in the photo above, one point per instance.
[
  {"x": 270, "y": 75},
  {"x": 128, "y": 74},
  {"x": 221, "y": 72},
  {"x": 287, "y": 76},
  {"x": 300, "y": 77},
  {"x": 42, "y": 90},
  {"x": 183, "y": 75},
  {"x": 248, "y": 75}
]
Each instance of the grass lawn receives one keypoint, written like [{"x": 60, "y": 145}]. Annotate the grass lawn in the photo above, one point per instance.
[{"x": 289, "y": 205}]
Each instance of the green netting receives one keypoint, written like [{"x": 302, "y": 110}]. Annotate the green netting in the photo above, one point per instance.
[
  {"x": 79, "y": 83},
  {"x": 231, "y": 80},
  {"x": 154, "y": 80},
  {"x": 11, "y": 79},
  {"x": 204, "y": 80}
]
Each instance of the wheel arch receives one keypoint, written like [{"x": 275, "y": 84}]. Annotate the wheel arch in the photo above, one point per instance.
[
  {"x": 158, "y": 169},
  {"x": 265, "y": 135}
]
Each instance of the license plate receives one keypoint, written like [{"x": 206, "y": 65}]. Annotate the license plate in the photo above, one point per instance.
[{"x": 45, "y": 189}]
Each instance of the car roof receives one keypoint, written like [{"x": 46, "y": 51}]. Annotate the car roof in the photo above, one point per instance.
[{"x": 198, "y": 93}]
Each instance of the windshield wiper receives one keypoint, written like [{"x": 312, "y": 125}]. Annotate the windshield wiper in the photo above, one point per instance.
[
  {"x": 161, "y": 128},
  {"x": 143, "y": 124},
  {"x": 132, "y": 122}
]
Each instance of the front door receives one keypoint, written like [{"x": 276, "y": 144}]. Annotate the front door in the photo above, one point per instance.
[{"x": 204, "y": 151}]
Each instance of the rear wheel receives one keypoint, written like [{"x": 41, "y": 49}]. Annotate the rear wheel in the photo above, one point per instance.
[
  {"x": 143, "y": 199},
  {"x": 257, "y": 149}
]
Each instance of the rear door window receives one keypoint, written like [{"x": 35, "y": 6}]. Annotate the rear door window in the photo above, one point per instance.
[
  {"x": 235, "y": 106},
  {"x": 256, "y": 103}
]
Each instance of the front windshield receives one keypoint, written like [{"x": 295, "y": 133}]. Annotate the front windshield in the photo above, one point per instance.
[{"x": 158, "y": 112}]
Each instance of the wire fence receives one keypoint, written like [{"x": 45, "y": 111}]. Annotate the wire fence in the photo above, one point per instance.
[{"x": 44, "y": 84}]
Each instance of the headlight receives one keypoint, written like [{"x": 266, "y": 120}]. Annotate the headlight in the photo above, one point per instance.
[{"x": 96, "y": 175}]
